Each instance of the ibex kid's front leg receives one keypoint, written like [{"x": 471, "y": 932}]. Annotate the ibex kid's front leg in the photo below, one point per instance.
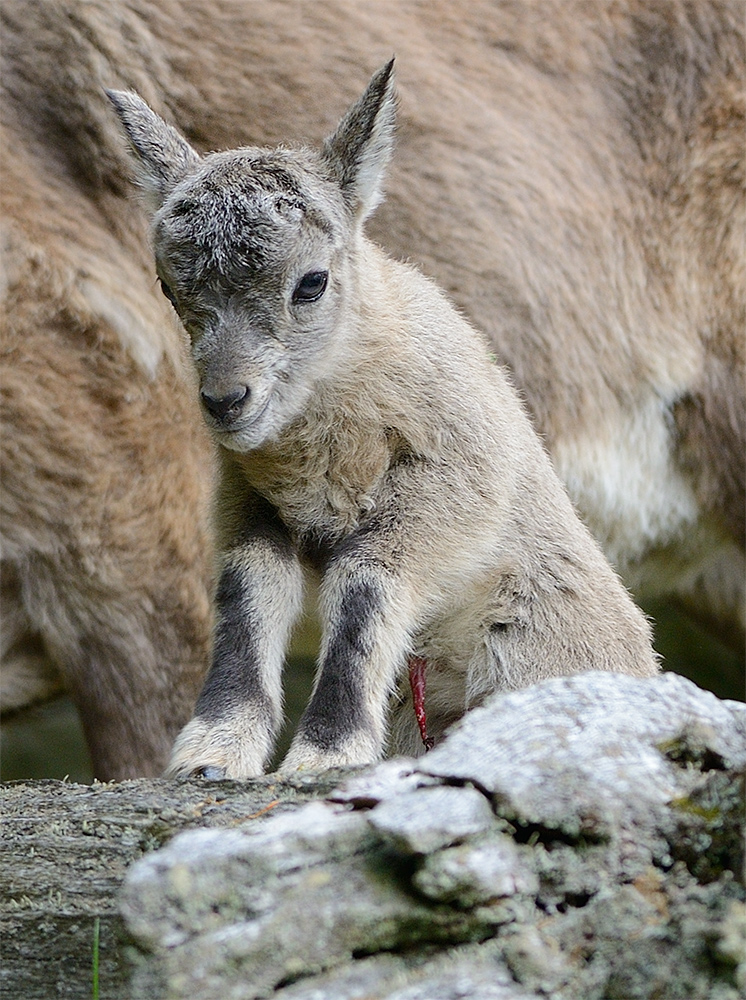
[
  {"x": 258, "y": 599},
  {"x": 368, "y": 614}
]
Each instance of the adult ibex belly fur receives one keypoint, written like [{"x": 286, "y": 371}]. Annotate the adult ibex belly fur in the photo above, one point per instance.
[{"x": 363, "y": 431}]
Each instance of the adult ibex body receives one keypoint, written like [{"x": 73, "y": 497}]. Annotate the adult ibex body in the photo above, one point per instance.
[
  {"x": 571, "y": 173},
  {"x": 363, "y": 430}
]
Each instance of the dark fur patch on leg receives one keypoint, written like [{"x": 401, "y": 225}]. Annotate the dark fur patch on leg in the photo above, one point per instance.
[
  {"x": 235, "y": 675},
  {"x": 337, "y": 710}
]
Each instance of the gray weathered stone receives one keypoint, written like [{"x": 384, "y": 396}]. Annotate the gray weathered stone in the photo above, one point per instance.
[
  {"x": 478, "y": 872},
  {"x": 580, "y": 838},
  {"x": 428, "y": 819}
]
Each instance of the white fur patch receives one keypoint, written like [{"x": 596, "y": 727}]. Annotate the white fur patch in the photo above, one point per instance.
[
  {"x": 363, "y": 749},
  {"x": 136, "y": 332},
  {"x": 643, "y": 511},
  {"x": 623, "y": 480},
  {"x": 223, "y": 745}
]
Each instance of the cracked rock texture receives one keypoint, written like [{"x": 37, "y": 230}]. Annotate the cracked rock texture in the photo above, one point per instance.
[
  {"x": 581, "y": 838},
  {"x": 65, "y": 850}
]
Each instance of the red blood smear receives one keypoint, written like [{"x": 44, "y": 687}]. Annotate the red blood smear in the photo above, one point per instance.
[{"x": 417, "y": 667}]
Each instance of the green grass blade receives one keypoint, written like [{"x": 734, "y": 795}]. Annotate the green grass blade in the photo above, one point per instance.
[{"x": 96, "y": 936}]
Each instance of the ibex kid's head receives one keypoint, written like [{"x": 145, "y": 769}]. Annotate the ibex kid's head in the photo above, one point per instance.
[{"x": 254, "y": 249}]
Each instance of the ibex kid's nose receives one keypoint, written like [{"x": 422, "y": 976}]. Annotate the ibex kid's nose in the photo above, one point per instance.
[{"x": 228, "y": 407}]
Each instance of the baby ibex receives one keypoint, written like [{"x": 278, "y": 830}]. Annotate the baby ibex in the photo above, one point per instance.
[{"x": 364, "y": 432}]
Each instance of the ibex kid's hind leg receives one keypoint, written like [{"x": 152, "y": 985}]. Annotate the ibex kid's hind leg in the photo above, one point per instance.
[{"x": 239, "y": 711}]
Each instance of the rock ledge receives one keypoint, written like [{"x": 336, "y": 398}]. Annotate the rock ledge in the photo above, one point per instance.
[{"x": 579, "y": 838}]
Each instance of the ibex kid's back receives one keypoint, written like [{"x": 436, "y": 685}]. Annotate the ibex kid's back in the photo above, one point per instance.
[{"x": 365, "y": 432}]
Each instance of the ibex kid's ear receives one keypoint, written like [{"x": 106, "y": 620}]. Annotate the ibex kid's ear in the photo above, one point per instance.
[
  {"x": 358, "y": 152},
  {"x": 163, "y": 156}
]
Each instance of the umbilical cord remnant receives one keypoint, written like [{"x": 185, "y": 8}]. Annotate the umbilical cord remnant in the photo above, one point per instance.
[{"x": 417, "y": 666}]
